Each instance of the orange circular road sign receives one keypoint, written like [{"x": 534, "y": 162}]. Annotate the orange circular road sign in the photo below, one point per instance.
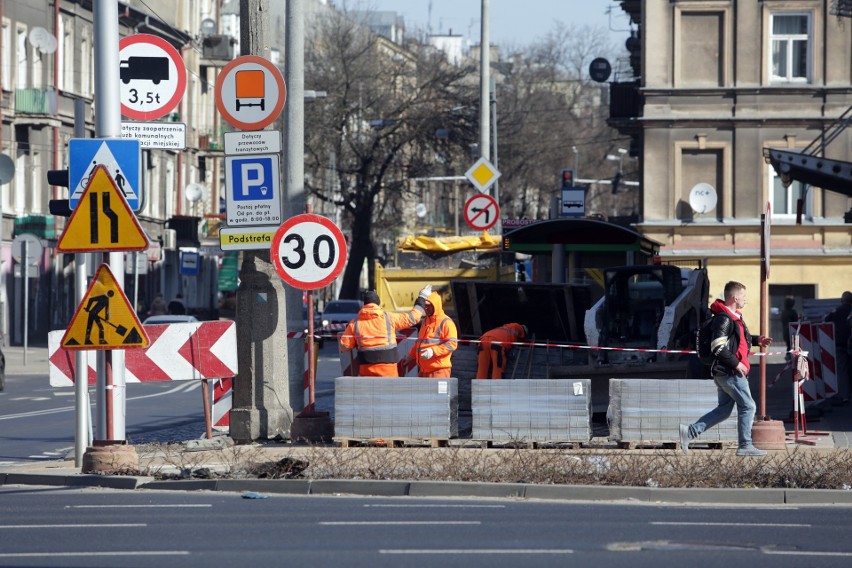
[{"x": 250, "y": 92}]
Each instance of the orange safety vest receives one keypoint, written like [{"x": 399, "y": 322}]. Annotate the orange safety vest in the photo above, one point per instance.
[{"x": 373, "y": 333}]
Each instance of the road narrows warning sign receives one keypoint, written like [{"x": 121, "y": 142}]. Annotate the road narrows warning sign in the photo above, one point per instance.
[
  {"x": 104, "y": 319},
  {"x": 103, "y": 220}
]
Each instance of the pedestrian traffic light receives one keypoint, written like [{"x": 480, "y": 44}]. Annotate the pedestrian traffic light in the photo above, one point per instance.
[
  {"x": 567, "y": 178},
  {"x": 59, "y": 207}
]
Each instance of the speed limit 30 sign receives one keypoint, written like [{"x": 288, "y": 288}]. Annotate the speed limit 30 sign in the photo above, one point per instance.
[{"x": 308, "y": 251}]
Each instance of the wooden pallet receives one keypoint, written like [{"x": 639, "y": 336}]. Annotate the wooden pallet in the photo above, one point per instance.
[
  {"x": 344, "y": 442},
  {"x": 651, "y": 444},
  {"x": 530, "y": 445}
]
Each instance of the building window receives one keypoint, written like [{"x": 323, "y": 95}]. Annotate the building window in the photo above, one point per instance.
[
  {"x": 66, "y": 54},
  {"x": 784, "y": 200},
  {"x": 790, "y": 45},
  {"x": 21, "y": 62},
  {"x": 6, "y": 47}
]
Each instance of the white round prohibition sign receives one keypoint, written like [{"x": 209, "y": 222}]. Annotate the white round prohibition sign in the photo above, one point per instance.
[
  {"x": 152, "y": 76},
  {"x": 481, "y": 212},
  {"x": 308, "y": 251}
]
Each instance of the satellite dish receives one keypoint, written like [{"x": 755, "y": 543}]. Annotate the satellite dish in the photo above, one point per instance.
[
  {"x": 7, "y": 168},
  {"x": 42, "y": 40},
  {"x": 194, "y": 192},
  {"x": 702, "y": 198},
  {"x": 208, "y": 27},
  {"x": 420, "y": 210}
]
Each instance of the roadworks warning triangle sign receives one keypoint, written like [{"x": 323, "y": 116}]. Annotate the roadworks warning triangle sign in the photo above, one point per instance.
[
  {"x": 105, "y": 319},
  {"x": 102, "y": 220}
]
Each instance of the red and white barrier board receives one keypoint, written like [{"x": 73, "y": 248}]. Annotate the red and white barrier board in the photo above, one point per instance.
[
  {"x": 177, "y": 352},
  {"x": 222, "y": 403},
  {"x": 817, "y": 339}
]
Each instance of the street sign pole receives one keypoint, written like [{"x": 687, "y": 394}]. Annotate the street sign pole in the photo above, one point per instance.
[
  {"x": 26, "y": 280},
  {"x": 111, "y": 425},
  {"x": 83, "y": 420}
]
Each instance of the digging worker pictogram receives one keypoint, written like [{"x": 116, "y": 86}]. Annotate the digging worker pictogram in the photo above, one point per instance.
[{"x": 98, "y": 310}]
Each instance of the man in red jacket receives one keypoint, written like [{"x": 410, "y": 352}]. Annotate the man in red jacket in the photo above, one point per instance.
[
  {"x": 730, "y": 344},
  {"x": 494, "y": 347}
]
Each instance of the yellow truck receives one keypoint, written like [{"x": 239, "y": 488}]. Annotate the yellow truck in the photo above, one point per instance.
[{"x": 398, "y": 287}]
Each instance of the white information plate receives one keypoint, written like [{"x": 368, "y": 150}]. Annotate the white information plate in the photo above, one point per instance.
[
  {"x": 163, "y": 135},
  {"x": 256, "y": 142}
]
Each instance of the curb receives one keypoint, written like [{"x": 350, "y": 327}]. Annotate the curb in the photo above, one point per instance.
[{"x": 442, "y": 489}]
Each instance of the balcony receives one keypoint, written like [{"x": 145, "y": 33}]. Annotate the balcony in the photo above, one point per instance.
[
  {"x": 35, "y": 101},
  {"x": 218, "y": 47}
]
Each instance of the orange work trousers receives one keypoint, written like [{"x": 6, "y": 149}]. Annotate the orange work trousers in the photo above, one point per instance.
[
  {"x": 491, "y": 361},
  {"x": 437, "y": 374},
  {"x": 378, "y": 370}
]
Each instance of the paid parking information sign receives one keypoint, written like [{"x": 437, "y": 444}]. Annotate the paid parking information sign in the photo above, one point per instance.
[{"x": 252, "y": 190}]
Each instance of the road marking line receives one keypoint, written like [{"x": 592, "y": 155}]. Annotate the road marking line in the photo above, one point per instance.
[
  {"x": 438, "y": 506},
  {"x": 178, "y": 505},
  {"x": 700, "y": 524},
  {"x": 70, "y": 408},
  {"x": 384, "y": 523},
  {"x": 114, "y": 553},
  {"x": 804, "y": 553},
  {"x": 75, "y": 526},
  {"x": 476, "y": 551}
]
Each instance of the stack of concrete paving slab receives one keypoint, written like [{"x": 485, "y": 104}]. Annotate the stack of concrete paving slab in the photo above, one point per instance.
[
  {"x": 650, "y": 410},
  {"x": 532, "y": 410},
  {"x": 371, "y": 407}
]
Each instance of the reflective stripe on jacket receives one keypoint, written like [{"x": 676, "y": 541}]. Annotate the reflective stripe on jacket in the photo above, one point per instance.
[{"x": 373, "y": 332}]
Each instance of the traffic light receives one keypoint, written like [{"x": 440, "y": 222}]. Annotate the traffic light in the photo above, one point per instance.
[
  {"x": 59, "y": 207},
  {"x": 567, "y": 178}
]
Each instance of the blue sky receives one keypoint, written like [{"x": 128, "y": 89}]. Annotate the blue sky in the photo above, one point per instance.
[{"x": 516, "y": 22}]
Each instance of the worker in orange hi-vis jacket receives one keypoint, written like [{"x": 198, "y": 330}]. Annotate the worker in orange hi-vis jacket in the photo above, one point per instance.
[
  {"x": 494, "y": 347},
  {"x": 436, "y": 342},
  {"x": 373, "y": 334}
]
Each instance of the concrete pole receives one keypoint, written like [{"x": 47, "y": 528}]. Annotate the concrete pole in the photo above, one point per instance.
[
  {"x": 108, "y": 125},
  {"x": 294, "y": 173},
  {"x": 484, "y": 83},
  {"x": 261, "y": 407}
]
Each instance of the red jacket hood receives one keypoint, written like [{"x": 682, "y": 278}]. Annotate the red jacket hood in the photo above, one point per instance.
[{"x": 719, "y": 307}]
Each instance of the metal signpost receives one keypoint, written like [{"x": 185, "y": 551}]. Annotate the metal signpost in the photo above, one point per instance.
[
  {"x": 26, "y": 250},
  {"x": 308, "y": 252}
]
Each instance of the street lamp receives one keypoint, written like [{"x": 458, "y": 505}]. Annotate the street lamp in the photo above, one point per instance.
[{"x": 620, "y": 159}]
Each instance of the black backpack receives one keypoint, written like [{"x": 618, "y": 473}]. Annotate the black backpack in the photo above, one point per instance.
[
  {"x": 703, "y": 338},
  {"x": 702, "y": 341}
]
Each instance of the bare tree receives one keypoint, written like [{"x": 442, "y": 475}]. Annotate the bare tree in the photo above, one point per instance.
[
  {"x": 548, "y": 109},
  {"x": 376, "y": 128}
]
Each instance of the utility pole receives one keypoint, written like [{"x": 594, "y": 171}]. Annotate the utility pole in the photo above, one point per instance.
[
  {"x": 484, "y": 84},
  {"x": 262, "y": 407}
]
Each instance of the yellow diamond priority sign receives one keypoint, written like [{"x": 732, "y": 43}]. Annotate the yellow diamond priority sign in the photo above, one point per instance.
[
  {"x": 105, "y": 319},
  {"x": 102, "y": 220},
  {"x": 482, "y": 174}
]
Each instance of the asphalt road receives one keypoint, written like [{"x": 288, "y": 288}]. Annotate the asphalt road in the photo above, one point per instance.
[
  {"x": 37, "y": 422},
  {"x": 86, "y": 527}
]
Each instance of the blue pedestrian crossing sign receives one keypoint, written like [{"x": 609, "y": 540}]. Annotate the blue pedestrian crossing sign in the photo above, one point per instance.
[
  {"x": 122, "y": 159},
  {"x": 253, "y": 193}
]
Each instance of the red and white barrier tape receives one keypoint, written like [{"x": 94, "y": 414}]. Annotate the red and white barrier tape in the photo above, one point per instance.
[{"x": 300, "y": 334}]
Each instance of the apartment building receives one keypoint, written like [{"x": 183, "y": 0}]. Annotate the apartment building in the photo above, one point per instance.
[
  {"x": 720, "y": 81},
  {"x": 46, "y": 72}
]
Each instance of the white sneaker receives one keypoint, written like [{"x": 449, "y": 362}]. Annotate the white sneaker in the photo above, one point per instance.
[
  {"x": 750, "y": 451},
  {"x": 684, "y": 438}
]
